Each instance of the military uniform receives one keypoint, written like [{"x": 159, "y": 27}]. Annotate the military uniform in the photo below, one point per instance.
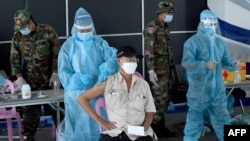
[
  {"x": 39, "y": 52},
  {"x": 35, "y": 57},
  {"x": 159, "y": 63},
  {"x": 159, "y": 57}
]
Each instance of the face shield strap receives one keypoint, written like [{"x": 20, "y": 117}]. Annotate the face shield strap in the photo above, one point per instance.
[
  {"x": 82, "y": 16},
  {"x": 83, "y": 27}
]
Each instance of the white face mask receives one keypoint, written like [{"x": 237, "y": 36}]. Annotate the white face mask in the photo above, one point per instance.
[{"x": 129, "y": 67}]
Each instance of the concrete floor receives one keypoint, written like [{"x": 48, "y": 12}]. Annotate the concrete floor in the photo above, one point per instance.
[{"x": 174, "y": 122}]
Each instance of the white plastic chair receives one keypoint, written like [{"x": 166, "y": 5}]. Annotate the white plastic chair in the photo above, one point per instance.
[{"x": 138, "y": 74}]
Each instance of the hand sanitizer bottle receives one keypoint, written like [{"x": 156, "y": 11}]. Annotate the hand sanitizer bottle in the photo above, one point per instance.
[{"x": 26, "y": 92}]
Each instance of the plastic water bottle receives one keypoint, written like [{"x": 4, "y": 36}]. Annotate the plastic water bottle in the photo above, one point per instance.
[
  {"x": 55, "y": 87},
  {"x": 237, "y": 76},
  {"x": 42, "y": 110},
  {"x": 42, "y": 120}
]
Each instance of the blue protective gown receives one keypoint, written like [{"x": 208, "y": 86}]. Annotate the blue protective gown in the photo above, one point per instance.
[
  {"x": 79, "y": 64},
  {"x": 206, "y": 91}
]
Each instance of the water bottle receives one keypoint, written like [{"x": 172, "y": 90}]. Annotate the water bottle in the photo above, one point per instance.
[
  {"x": 42, "y": 110},
  {"x": 237, "y": 76},
  {"x": 42, "y": 119},
  {"x": 55, "y": 87}
]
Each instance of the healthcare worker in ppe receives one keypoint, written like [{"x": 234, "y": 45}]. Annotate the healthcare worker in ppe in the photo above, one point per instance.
[
  {"x": 204, "y": 56},
  {"x": 84, "y": 59}
]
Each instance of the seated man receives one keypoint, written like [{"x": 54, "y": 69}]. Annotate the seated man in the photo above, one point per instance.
[{"x": 128, "y": 101}]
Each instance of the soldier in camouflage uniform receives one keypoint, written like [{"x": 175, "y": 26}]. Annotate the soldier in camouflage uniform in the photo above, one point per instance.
[
  {"x": 159, "y": 63},
  {"x": 33, "y": 59}
]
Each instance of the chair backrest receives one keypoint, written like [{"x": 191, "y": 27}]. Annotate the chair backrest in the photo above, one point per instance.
[
  {"x": 138, "y": 74},
  {"x": 100, "y": 103},
  {"x": 9, "y": 87}
]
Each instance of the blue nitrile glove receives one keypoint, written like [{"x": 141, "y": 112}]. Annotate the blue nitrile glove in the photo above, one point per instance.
[
  {"x": 171, "y": 106},
  {"x": 102, "y": 76},
  {"x": 85, "y": 78}
]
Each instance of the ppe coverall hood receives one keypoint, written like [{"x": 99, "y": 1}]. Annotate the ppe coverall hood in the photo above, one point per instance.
[{"x": 208, "y": 22}]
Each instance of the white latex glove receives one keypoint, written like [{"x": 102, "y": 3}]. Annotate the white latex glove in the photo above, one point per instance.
[
  {"x": 211, "y": 65},
  {"x": 19, "y": 83},
  {"x": 153, "y": 77},
  {"x": 54, "y": 79}
]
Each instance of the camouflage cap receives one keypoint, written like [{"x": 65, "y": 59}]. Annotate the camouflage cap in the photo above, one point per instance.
[
  {"x": 165, "y": 6},
  {"x": 21, "y": 18}
]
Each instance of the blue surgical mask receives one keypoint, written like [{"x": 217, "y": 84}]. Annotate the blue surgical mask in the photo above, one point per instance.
[
  {"x": 25, "y": 31},
  {"x": 86, "y": 36},
  {"x": 168, "y": 18}
]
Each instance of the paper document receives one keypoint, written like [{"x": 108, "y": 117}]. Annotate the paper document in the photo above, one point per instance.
[{"x": 136, "y": 130}]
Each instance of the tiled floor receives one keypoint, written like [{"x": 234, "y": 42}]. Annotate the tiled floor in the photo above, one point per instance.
[
  {"x": 174, "y": 122},
  {"x": 43, "y": 134}
]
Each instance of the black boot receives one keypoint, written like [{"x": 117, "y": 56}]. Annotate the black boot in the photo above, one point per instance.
[
  {"x": 30, "y": 138},
  {"x": 168, "y": 133},
  {"x": 160, "y": 129}
]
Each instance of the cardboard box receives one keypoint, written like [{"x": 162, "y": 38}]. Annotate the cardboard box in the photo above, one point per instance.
[{"x": 229, "y": 76}]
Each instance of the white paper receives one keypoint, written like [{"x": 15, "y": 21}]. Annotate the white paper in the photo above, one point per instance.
[{"x": 136, "y": 130}]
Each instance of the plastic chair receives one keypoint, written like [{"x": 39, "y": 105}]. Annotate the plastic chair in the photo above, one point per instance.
[
  {"x": 53, "y": 134},
  {"x": 138, "y": 74},
  {"x": 100, "y": 103},
  {"x": 12, "y": 113}
]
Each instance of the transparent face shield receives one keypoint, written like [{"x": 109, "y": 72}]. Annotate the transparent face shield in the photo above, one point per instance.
[
  {"x": 211, "y": 23},
  {"x": 83, "y": 22},
  {"x": 218, "y": 30}
]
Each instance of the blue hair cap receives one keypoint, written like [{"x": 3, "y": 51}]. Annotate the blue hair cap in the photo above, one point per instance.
[{"x": 207, "y": 14}]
